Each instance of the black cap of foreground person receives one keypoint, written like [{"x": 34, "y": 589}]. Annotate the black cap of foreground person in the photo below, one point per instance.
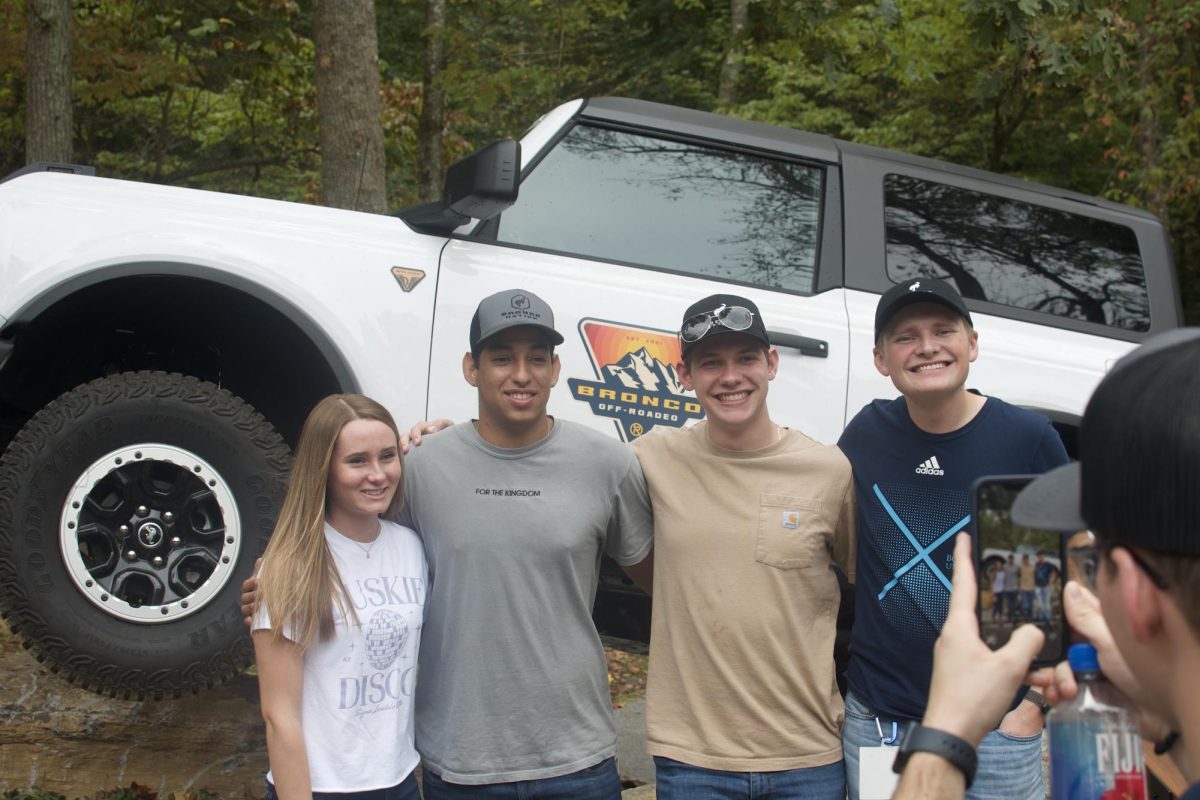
[
  {"x": 509, "y": 309},
  {"x": 1137, "y": 481},
  {"x": 918, "y": 290},
  {"x": 720, "y": 314}
]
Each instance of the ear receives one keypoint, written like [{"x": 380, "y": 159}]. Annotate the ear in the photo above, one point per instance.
[
  {"x": 1140, "y": 597},
  {"x": 470, "y": 368},
  {"x": 685, "y": 375},
  {"x": 877, "y": 350},
  {"x": 772, "y": 363},
  {"x": 555, "y": 366},
  {"x": 972, "y": 344}
]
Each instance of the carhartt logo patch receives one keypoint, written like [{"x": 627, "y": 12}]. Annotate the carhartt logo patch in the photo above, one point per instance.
[{"x": 791, "y": 519}]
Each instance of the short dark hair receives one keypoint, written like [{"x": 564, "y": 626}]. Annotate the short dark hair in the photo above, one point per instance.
[{"x": 1140, "y": 454}]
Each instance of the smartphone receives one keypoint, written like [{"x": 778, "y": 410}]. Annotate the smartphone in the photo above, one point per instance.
[{"x": 1020, "y": 571}]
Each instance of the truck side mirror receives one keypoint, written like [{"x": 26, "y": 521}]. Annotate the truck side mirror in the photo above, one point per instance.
[{"x": 478, "y": 187}]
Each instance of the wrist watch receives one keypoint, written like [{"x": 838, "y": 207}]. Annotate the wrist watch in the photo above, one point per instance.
[{"x": 919, "y": 739}]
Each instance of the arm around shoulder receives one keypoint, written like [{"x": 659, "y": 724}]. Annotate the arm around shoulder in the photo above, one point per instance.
[
  {"x": 642, "y": 572},
  {"x": 631, "y": 524}
]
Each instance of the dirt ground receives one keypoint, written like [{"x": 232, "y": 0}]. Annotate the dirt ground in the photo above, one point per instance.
[{"x": 74, "y": 743}]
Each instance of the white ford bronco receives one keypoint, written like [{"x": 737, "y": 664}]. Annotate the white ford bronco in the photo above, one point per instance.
[{"x": 159, "y": 347}]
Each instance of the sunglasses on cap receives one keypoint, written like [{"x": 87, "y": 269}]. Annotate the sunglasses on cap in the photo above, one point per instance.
[{"x": 735, "y": 318}]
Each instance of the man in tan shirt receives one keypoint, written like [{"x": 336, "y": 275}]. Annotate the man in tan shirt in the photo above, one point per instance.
[{"x": 749, "y": 518}]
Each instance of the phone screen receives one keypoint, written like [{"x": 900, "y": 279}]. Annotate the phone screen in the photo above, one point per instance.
[{"x": 1021, "y": 571}]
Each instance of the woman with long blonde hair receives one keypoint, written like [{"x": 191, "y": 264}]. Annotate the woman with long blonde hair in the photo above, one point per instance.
[{"x": 338, "y": 623}]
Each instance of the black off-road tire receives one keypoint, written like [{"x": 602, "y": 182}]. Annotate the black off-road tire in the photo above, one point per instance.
[{"x": 131, "y": 509}]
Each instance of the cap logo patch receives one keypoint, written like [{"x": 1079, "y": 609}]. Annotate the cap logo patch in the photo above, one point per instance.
[
  {"x": 915, "y": 286},
  {"x": 520, "y": 302},
  {"x": 791, "y": 519}
]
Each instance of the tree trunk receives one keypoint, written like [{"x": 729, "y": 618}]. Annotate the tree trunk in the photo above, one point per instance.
[
  {"x": 353, "y": 172},
  {"x": 430, "y": 158},
  {"x": 48, "y": 123},
  {"x": 731, "y": 67}
]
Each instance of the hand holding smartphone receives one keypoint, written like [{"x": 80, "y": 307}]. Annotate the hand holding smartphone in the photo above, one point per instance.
[{"x": 1020, "y": 571}]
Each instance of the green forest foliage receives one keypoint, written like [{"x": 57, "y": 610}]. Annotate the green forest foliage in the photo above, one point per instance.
[{"x": 1098, "y": 96}]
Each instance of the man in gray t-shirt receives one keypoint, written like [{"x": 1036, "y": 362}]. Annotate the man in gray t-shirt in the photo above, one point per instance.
[{"x": 515, "y": 510}]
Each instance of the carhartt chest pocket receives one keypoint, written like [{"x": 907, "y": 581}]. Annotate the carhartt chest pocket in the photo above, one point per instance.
[{"x": 790, "y": 532}]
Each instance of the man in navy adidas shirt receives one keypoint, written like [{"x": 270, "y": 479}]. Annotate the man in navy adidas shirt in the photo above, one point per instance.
[{"x": 914, "y": 460}]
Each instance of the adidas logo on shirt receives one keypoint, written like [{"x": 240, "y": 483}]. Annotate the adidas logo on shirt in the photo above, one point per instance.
[{"x": 930, "y": 467}]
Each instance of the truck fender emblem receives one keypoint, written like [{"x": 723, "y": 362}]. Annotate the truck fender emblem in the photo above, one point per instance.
[{"x": 408, "y": 278}]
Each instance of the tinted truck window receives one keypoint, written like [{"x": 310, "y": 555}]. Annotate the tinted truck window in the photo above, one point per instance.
[
  {"x": 678, "y": 206},
  {"x": 1015, "y": 253}
]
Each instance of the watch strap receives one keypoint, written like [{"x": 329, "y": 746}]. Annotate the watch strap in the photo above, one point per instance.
[
  {"x": 920, "y": 739},
  {"x": 1036, "y": 697}
]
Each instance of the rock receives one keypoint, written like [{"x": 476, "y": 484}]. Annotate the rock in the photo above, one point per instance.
[
  {"x": 66, "y": 740},
  {"x": 639, "y": 793}
]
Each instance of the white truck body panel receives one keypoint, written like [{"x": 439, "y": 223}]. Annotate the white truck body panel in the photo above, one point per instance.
[{"x": 332, "y": 266}]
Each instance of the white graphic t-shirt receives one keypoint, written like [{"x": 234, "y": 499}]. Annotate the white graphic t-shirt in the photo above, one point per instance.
[{"x": 358, "y": 686}]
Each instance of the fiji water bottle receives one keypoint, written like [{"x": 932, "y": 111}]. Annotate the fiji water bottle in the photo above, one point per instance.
[{"x": 1095, "y": 748}]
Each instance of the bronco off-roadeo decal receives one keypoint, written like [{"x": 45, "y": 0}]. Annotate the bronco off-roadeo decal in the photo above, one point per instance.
[{"x": 638, "y": 385}]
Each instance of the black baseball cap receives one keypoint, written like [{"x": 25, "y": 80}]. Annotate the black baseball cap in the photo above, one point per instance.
[
  {"x": 509, "y": 309},
  {"x": 1138, "y": 472},
  {"x": 918, "y": 290},
  {"x": 713, "y": 307}
]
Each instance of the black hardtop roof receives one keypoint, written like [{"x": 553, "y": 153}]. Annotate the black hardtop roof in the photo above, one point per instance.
[
  {"x": 693, "y": 124},
  {"x": 721, "y": 129},
  {"x": 1000, "y": 179}
]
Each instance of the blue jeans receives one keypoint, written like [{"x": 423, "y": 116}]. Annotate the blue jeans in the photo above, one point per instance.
[
  {"x": 1043, "y": 602},
  {"x": 1010, "y": 767},
  {"x": 1027, "y": 604},
  {"x": 404, "y": 790},
  {"x": 675, "y": 780},
  {"x": 599, "y": 782}
]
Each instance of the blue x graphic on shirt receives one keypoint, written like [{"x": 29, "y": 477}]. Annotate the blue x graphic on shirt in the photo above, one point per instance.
[{"x": 922, "y": 552}]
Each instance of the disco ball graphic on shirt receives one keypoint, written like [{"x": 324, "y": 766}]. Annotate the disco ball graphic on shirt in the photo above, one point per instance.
[{"x": 387, "y": 633}]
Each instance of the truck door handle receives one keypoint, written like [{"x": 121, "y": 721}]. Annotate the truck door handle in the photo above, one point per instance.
[{"x": 817, "y": 348}]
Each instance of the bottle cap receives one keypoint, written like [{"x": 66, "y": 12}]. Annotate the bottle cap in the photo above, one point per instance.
[{"x": 1082, "y": 657}]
